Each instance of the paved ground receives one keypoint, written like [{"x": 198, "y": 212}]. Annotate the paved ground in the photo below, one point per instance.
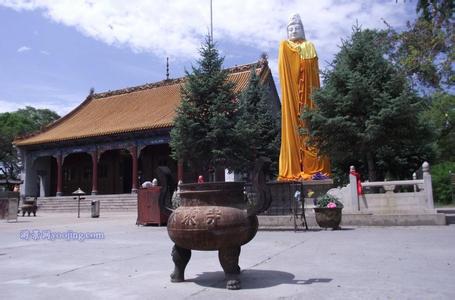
[{"x": 134, "y": 262}]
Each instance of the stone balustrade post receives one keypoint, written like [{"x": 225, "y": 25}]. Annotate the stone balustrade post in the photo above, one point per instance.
[
  {"x": 427, "y": 185},
  {"x": 353, "y": 190}
]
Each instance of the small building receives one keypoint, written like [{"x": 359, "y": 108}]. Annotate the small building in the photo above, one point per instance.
[{"x": 113, "y": 141}]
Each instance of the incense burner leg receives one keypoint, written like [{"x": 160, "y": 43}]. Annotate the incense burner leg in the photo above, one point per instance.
[
  {"x": 180, "y": 257},
  {"x": 229, "y": 259}
]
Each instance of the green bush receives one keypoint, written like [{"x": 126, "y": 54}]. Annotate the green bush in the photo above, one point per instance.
[{"x": 440, "y": 175}]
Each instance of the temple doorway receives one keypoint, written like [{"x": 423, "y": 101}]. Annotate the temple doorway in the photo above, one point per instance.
[
  {"x": 153, "y": 156},
  {"x": 114, "y": 172},
  {"x": 77, "y": 173},
  {"x": 45, "y": 174}
]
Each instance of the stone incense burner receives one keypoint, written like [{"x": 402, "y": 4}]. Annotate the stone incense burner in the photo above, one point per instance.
[{"x": 216, "y": 216}]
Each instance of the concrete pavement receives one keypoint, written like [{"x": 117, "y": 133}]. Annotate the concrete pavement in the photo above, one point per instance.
[{"x": 119, "y": 260}]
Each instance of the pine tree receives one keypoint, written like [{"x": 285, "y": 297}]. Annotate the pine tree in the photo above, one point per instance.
[
  {"x": 367, "y": 114},
  {"x": 203, "y": 134},
  {"x": 257, "y": 130}
]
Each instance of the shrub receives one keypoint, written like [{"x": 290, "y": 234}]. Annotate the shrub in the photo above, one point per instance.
[
  {"x": 440, "y": 175},
  {"x": 328, "y": 201}
]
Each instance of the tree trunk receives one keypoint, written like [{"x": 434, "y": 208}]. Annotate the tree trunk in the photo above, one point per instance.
[{"x": 371, "y": 167}]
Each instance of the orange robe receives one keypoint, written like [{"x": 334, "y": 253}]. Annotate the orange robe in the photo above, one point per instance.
[{"x": 299, "y": 76}]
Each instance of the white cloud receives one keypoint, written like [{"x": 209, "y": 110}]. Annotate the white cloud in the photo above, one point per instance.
[
  {"x": 56, "y": 99},
  {"x": 23, "y": 49},
  {"x": 6, "y": 106},
  {"x": 61, "y": 106},
  {"x": 176, "y": 27}
]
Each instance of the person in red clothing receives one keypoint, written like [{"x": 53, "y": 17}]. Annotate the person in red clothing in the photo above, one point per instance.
[{"x": 353, "y": 172}]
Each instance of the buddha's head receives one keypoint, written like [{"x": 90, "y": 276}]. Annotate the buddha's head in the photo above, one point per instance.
[{"x": 295, "y": 28}]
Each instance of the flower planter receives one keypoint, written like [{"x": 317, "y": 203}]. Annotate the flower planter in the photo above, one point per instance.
[{"x": 328, "y": 217}]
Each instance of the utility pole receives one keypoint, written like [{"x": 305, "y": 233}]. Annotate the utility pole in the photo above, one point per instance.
[
  {"x": 167, "y": 68},
  {"x": 211, "y": 22}
]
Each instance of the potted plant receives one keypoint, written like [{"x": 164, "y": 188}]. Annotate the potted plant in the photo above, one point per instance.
[{"x": 328, "y": 211}]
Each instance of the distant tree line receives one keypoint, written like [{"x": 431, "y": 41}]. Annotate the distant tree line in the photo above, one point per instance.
[{"x": 18, "y": 123}]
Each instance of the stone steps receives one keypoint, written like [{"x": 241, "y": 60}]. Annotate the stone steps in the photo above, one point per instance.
[{"x": 120, "y": 202}]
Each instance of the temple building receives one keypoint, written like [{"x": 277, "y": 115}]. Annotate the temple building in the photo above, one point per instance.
[{"x": 114, "y": 141}]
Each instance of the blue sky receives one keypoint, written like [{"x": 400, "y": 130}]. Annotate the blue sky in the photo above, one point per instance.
[{"x": 53, "y": 51}]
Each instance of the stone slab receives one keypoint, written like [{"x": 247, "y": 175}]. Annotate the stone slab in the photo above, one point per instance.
[
  {"x": 410, "y": 219},
  {"x": 133, "y": 262}
]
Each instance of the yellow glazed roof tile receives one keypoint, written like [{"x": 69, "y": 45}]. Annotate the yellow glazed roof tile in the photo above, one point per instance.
[{"x": 133, "y": 109}]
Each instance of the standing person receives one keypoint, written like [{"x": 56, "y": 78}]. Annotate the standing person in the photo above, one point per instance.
[{"x": 299, "y": 76}]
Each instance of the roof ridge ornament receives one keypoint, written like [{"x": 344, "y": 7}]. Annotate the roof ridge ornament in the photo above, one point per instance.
[
  {"x": 263, "y": 60},
  {"x": 232, "y": 70}
]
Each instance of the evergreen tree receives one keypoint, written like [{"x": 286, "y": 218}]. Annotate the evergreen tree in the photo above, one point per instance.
[
  {"x": 257, "y": 130},
  {"x": 203, "y": 134},
  {"x": 367, "y": 113}
]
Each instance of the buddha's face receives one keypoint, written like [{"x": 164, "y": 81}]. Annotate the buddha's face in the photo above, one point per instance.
[{"x": 295, "y": 32}]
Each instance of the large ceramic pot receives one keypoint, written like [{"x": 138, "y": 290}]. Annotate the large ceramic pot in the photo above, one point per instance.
[
  {"x": 328, "y": 217},
  {"x": 212, "y": 216}
]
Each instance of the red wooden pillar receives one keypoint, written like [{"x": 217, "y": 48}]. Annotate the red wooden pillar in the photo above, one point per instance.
[
  {"x": 180, "y": 170},
  {"x": 59, "y": 174},
  {"x": 133, "y": 151},
  {"x": 94, "y": 172}
]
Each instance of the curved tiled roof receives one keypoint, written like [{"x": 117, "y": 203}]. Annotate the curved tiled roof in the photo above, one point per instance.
[{"x": 132, "y": 109}]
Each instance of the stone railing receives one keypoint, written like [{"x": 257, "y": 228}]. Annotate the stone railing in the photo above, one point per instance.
[{"x": 420, "y": 199}]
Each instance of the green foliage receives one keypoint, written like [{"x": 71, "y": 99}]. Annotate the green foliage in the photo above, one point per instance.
[
  {"x": 440, "y": 175},
  {"x": 14, "y": 124},
  {"x": 324, "y": 200},
  {"x": 203, "y": 134},
  {"x": 441, "y": 115},
  {"x": 367, "y": 113},
  {"x": 426, "y": 50},
  {"x": 435, "y": 10},
  {"x": 37, "y": 118},
  {"x": 257, "y": 130}
]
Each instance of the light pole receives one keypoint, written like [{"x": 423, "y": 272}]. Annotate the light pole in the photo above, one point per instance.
[{"x": 79, "y": 193}]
